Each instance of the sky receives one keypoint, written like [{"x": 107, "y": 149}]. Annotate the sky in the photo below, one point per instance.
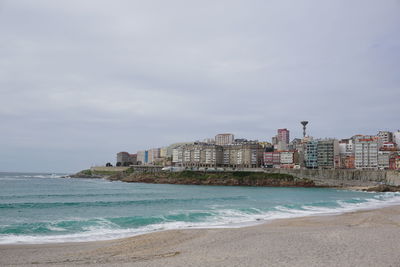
[{"x": 83, "y": 80}]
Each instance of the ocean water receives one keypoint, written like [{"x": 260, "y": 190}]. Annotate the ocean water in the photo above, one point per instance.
[{"x": 44, "y": 208}]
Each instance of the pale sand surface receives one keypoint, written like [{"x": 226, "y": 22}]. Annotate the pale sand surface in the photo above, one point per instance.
[{"x": 365, "y": 238}]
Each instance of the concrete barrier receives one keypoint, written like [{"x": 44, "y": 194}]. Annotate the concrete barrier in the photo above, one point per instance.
[{"x": 339, "y": 177}]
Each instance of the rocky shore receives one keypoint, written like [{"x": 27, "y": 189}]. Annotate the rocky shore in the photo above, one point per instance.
[
  {"x": 233, "y": 178},
  {"x": 214, "y": 178}
]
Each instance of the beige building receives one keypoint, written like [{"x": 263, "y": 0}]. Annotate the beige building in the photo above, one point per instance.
[
  {"x": 224, "y": 139},
  {"x": 243, "y": 155},
  {"x": 200, "y": 155},
  {"x": 384, "y": 159},
  {"x": 153, "y": 155}
]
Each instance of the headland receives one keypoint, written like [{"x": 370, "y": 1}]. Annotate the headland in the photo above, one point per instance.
[{"x": 379, "y": 180}]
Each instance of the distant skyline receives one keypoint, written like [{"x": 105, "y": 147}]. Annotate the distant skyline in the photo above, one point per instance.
[{"x": 83, "y": 80}]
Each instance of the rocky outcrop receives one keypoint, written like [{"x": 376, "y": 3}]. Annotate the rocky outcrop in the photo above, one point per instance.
[
  {"x": 261, "y": 177},
  {"x": 218, "y": 178},
  {"x": 88, "y": 174},
  {"x": 383, "y": 188}
]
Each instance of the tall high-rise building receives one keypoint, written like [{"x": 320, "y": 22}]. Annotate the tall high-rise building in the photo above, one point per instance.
[
  {"x": 224, "y": 139},
  {"x": 366, "y": 152},
  {"x": 283, "y": 135},
  {"x": 327, "y": 153},
  {"x": 311, "y": 154}
]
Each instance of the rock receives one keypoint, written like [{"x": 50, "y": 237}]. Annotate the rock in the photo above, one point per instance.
[{"x": 383, "y": 188}]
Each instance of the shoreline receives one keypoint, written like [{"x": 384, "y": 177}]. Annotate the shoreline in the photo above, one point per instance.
[
  {"x": 255, "y": 220},
  {"x": 378, "y": 181},
  {"x": 175, "y": 247}
]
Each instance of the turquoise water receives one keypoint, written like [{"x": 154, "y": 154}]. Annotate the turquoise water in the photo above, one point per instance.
[{"x": 42, "y": 208}]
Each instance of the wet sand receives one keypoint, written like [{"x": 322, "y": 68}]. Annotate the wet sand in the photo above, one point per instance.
[{"x": 364, "y": 238}]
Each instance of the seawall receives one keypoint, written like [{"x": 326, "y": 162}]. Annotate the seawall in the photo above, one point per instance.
[{"x": 344, "y": 178}]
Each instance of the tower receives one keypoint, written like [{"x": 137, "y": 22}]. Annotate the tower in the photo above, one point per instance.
[{"x": 304, "y": 123}]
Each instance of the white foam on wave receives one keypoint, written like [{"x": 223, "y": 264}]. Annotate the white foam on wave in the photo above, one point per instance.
[
  {"x": 49, "y": 175},
  {"x": 221, "y": 218}
]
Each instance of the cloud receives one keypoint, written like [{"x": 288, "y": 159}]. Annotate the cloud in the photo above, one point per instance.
[{"x": 91, "y": 78}]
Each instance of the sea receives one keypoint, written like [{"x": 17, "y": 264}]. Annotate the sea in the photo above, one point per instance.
[{"x": 38, "y": 208}]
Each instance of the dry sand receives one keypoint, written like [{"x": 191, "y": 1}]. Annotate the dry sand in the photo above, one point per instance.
[{"x": 364, "y": 238}]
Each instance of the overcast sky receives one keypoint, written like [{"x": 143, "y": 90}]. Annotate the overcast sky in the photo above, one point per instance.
[{"x": 83, "y": 80}]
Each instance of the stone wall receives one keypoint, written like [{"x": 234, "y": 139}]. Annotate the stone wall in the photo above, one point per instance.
[{"x": 344, "y": 177}]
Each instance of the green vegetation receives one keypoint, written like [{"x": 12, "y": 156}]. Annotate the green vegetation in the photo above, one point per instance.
[
  {"x": 129, "y": 171},
  {"x": 86, "y": 172},
  {"x": 94, "y": 172}
]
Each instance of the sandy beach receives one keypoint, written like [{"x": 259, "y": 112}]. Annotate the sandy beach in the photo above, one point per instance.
[{"x": 363, "y": 238}]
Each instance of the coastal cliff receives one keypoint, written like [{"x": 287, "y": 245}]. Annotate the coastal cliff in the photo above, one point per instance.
[
  {"x": 256, "y": 177},
  {"x": 214, "y": 178}
]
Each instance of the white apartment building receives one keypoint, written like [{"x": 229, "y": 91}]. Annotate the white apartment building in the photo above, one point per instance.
[
  {"x": 186, "y": 155},
  {"x": 287, "y": 157},
  {"x": 385, "y": 136},
  {"x": 346, "y": 147},
  {"x": 177, "y": 155},
  {"x": 224, "y": 139},
  {"x": 366, "y": 152}
]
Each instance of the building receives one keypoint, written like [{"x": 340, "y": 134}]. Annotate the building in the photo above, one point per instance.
[
  {"x": 346, "y": 147},
  {"x": 384, "y": 160},
  {"x": 385, "y": 136},
  {"x": 283, "y": 135},
  {"x": 198, "y": 154},
  {"x": 224, "y": 139},
  {"x": 388, "y": 147},
  {"x": 397, "y": 163},
  {"x": 143, "y": 157},
  {"x": 346, "y": 154},
  {"x": 274, "y": 140},
  {"x": 154, "y": 156},
  {"x": 327, "y": 153},
  {"x": 281, "y": 146},
  {"x": 126, "y": 159},
  {"x": 287, "y": 159},
  {"x": 295, "y": 144},
  {"x": 396, "y": 138},
  {"x": 163, "y": 152},
  {"x": 177, "y": 156},
  {"x": 347, "y": 161},
  {"x": 272, "y": 159},
  {"x": 246, "y": 154},
  {"x": 366, "y": 152},
  {"x": 311, "y": 154}
]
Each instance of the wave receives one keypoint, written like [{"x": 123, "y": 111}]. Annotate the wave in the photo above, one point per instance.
[
  {"x": 43, "y": 205},
  {"x": 216, "y": 217},
  {"x": 76, "y": 195},
  {"x": 12, "y": 176}
]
